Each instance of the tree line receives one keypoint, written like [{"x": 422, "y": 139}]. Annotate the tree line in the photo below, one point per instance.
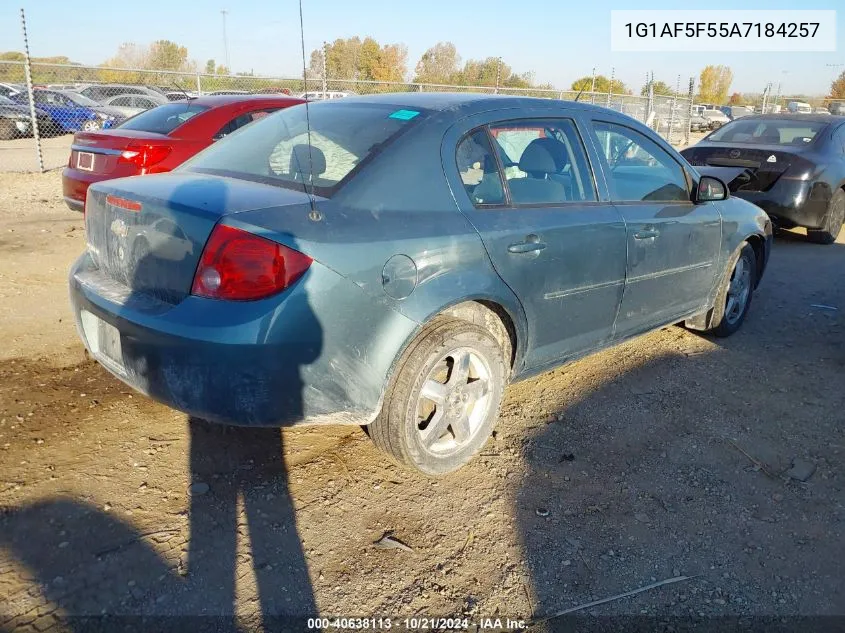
[{"x": 366, "y": 59}]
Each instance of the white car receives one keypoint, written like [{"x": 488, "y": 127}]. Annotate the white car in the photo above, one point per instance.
[
  {"x": 319, "y": 95},
  {"x": 130, "y": 105},
  {"x": 717, "y": 118}
]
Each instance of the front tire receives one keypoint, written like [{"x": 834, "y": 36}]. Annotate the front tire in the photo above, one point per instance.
[
  {"x": 444, "y": 398},
  {"x": 833, "y": 221},
  {"x": 735, "y": 293}
]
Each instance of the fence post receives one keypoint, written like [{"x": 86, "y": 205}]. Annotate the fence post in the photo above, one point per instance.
[
  {"x": 199, "y": 85},
  {"x": 593, "y": 87},
  {"x": 610, "y": 87},
  {"x": 689, "y": 109},
  {"x": 33, "y": 119}
]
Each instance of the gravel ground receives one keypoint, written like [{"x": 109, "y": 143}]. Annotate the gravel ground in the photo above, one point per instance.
[{"x": 672, "y": 455}]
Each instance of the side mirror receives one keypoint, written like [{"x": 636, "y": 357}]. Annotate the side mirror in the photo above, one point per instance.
[
  {"x": 217, "y": 137},
  {"x": 711, "y": 189}
]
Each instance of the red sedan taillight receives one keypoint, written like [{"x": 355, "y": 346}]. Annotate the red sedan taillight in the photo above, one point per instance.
[
  {"x": 239, "y": 266},
  {"x": 144, "y": 156}
]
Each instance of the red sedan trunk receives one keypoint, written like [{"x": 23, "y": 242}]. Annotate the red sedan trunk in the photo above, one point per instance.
[{"x": 159, "y": 139}]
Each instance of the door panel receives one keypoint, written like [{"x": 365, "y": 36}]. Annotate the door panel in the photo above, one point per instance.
[
  {"x": 673, "y": 245},
  {"x": 562, "y": 252}
]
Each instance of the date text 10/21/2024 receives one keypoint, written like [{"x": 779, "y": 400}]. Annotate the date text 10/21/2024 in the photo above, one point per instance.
[{"x": 417, "y": 623}]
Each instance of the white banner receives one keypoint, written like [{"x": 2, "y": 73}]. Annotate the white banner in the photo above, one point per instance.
[{"x": 723, "y": 31}]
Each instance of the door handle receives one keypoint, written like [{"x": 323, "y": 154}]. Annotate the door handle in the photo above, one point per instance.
[
  {"x": 645, "y": 234},
  {"x": 532, "y": 244}
]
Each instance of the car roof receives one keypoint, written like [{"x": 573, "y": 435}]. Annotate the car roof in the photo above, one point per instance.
[
  {"x": 815, "y": 118},
  {"x": 467, "y": 101}
]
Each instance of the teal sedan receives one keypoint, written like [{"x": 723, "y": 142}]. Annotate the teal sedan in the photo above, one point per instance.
[{"x": 394, "y": 261}]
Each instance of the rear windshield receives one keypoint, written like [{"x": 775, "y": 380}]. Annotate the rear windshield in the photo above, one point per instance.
[
  {"x": 163, "y": 119},
  {"x": 276, "y": 150},
  {"x": 769, "y": 132}
]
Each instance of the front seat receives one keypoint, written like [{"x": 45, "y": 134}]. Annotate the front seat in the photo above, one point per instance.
[{"x": 538, "y": 186}]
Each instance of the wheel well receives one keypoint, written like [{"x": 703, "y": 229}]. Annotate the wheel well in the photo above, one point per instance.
[
  {"x": 494, "y": 318},
  {"x": 759, "y": 252}
]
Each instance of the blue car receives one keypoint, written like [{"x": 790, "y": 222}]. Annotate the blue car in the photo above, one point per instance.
[
  {"x": 71, "y": 112},
  {"x": 395, "y": 261}
]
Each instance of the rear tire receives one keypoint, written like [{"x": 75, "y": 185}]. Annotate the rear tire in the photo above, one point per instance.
[
  {"x": 833, "y": 221},
  {"x": 735, "y": 293},
  {"x": 444, "y": 398}
]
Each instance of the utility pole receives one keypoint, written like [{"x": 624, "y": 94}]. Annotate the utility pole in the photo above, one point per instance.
[
  {"x": 224, "y": 12},
  {"x": 593, "y": 87},
  {"x": 325, "y": 80},
  {"x": 498, "y": 72}
]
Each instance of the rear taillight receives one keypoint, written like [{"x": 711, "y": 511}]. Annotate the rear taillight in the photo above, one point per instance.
[
  {"x": 240, "y": 266},
  {"x": 144, "y": 156}
]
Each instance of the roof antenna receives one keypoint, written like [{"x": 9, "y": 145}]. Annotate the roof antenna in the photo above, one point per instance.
[
  {"x": 582, "y": 91},
  {"x": 314, "y": 215}
]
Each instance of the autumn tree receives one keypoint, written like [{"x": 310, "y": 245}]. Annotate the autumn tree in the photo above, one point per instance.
[
  {"x": 167, "y": 55},
  {"x": 438, "y": 65},
  {"x": 837, "y": 87},
  {"x": 737, "y": 99},
  {"x": 210, "y": 65},
  {"x": 222, "y": 70},
  {"x": 714, "y": 83},
  {"x": 660, "y": 88},
  {"x": 353, "y": 58},
  {"x": 603, "y": 84}
]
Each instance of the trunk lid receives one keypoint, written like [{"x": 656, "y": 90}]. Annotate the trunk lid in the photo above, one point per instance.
[
  {"x": 148, "y": 233},
  {"x": 762, "y": 165}
]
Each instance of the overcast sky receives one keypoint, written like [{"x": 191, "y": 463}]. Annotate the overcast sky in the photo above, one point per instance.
[{"x": 559, "y": 40}]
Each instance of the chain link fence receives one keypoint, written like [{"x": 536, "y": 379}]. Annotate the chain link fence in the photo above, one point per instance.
[{"x": 70, "y": 98}]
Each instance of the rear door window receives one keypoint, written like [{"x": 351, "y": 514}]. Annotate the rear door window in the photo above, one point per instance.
[{"x": 544, "y": 161}]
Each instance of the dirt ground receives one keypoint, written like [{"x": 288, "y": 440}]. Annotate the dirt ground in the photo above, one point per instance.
[{"x": 673, "y": 455}]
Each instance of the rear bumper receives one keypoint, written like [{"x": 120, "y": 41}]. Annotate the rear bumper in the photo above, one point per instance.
[
  {"x": 792, "y": 203},
  {"x": 290, "y": 359}
]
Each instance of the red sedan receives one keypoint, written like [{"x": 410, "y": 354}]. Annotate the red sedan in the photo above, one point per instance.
[{"x": 159, "y": 139}]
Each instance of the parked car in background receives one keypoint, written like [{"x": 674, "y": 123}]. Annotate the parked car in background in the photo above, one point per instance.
[
  {"x": 799, "y": 107},
  {"x": 130, "y": 105},
  {"x": 15, "y": 119},
  {"x": 821, "y": 111},
  {"x": 70, "y": 111},
  {"x": 837, "y": 107},
  {"x": 7, "y": 90},
  {"x": 698, "y": 123},
  {"x": 698, "y": 109},
  {"x": 735, "y": 112},
  {"x": 476, "y": 267},
  {"x": 178, "y": 95},
  {"x": 319, "y": 95},
  {"x": 791, "y": 166},
  {"x": 102, "y": 92},
  {"x": 715, "y": 118},
  {"x": 158, "y": 140},
  {"x": 218, "y": 93}
]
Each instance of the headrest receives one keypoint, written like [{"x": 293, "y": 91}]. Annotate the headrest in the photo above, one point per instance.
[
  {"x": 537, "y": 158},
  {"x": 307, "y": 161}
]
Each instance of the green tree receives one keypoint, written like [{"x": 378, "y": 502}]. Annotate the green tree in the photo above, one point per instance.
[
  {"x": 660, "y": 88},
  {"x": 714, "y": 84},
  {"x": 210, "y": 66},
  {"x": 438, "y": 65},
  {"x": 602, "y": 85},
  {"x": 222, "y": 70},
  {"x": 11, "y": 56},
  {"x": 167, "y": 55},
  {"x": 837, "y": 87}
]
